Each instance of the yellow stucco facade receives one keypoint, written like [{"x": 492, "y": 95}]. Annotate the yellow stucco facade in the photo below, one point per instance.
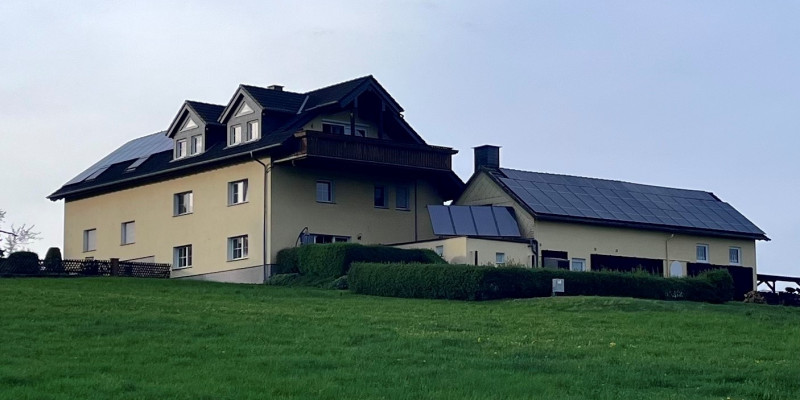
[
  {"x": 475, "y": 251},
  {"x": 580, "y": 241},
  {"x": 291, "y": 205}
]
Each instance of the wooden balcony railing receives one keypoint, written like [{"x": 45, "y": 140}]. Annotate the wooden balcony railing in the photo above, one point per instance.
[{"x": 310, "y": 144}]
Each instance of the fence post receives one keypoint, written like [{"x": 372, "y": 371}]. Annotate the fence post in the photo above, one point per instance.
[{"x": 114, "y": 267}]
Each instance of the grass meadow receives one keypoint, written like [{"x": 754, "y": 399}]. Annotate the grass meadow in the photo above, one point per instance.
[{"x": 123, "y": 338}]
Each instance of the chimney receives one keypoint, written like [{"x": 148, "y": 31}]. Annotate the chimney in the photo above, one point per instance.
[
  {"x": 277, "y": 88},
  {"x": 487, "y": 156}
]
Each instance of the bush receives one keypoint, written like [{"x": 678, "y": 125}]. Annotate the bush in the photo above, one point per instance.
[
  {"x": 465, "y": 282},
  {"x": 333, "y": 260},
  {"x": 282, "y": 279},
  {"x": 53, "y": 261},
  {"x": 21, "y": 263},
  {"x": 339, "y": 283}
]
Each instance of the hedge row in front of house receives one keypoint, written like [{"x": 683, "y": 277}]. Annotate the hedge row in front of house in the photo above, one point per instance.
[
  {"x": 465, "y": 282},
  {"x": 334, "y": 260}
]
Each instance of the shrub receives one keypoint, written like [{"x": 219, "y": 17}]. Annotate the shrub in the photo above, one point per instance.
[
  {"x": 465, "y": 282},
  {"x": 283, "y": 279},
  {"x": 53, "y": 261},
  {"x": 333, "y": 260},
  {"x": 21, "y": 263},
  {"x": 339, "y": 283},
  {"x": 754, "y": 297}
]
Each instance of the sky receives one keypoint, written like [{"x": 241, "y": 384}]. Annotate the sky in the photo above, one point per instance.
[{"x": 696, "y": 95}]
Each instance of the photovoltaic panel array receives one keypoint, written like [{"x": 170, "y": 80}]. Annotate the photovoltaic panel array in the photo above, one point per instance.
[
  {"x": 135, "y": 149},
  {"x": 478, "y": 221},
  {"x": 605, "y": 200}
]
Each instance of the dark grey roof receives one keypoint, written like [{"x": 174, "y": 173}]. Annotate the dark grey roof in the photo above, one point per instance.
[
  {"x": 477, "y": 221},
  {"x": 276, "y": 100},
  {"x": 573, "y": 198},
  {"x": 208, "y": 112},
  {"x": 135, "y": 149}
]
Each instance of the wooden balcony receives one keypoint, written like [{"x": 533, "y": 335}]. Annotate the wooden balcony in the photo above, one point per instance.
[{"x": 313, "y": 144}]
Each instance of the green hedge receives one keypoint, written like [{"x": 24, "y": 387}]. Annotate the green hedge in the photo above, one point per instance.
[
  {"x": 464, "y": 282},
  {"x": 333, "y": 260},
  {"x": 21, "y": 263}
]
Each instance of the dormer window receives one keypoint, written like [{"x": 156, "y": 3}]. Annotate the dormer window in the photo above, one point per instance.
[
  {"x": 180, "y": 148},
  {"x": 235, "y": 136},
  {"x": 253, "y": 131},
  {"x": 197, "y": 144}
]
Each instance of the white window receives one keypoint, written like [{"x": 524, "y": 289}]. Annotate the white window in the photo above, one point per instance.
[
  {"x": 702, "y": 253},
  {"x": 182, "y": 257},
  {"x": 379, "y": 198},
  {"x": 180, "y": 148},
  {"x": 90, "y": 240},
  {"x": 578, "y": 264},
  {"x": 500, "y": 259},
  {"x": 197, "y": 144},
  {"x": 253, "y": 133},
  {"x": 401, "y": 195},
  {"x": 237, "y": 192},
  {"x": 183, "y": 203},
  {"x": 235, "y": 135},
  {"x": 439, "y": 251},
  {"x": 324, "y": 192},
  {"x": 735, "y": 255},
  {"x": 128, "y": 232},
  {"x": 319, "y": 238},
  {"x": 237, "y": 247}
]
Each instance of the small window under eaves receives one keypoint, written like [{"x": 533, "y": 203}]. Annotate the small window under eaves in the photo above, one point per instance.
[
  {"x": 96, "y": 173},
  {"x": 244, "y": 110},
  {"x": 189, "y": 124}
]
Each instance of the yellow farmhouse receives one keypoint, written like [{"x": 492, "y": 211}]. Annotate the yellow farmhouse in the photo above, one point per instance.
[{"x": 224, "y": 188}]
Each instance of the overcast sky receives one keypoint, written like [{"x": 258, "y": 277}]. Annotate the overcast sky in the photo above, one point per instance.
[{"x": 697, "y": 95}]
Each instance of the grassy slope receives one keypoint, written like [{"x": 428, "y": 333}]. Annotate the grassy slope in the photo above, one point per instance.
[{"x": 128, "y": 339}]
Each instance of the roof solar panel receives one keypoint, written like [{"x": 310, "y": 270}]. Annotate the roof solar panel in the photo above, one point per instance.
[
  {"x": 481, "y": 221},
  {"x": 441, "y": 221},
  {"x": 506, "y": 223},
  {"x": 484, "y": 221},
  {"x": 143, "y": 146},
  {"x": 463, "y": 221}
]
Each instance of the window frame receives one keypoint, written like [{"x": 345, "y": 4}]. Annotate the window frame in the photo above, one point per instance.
[
  {"x": 439, "y": 250},
  {"x": 385, "y": 197},
  {"x": 87, "y": 242},
  {"x": 252, "y": 134},
  {"x": 738, "y": 255},
  {"x": 500, "y": 259},
  {"x": 244, "y": 193},
  {"x": 698, "y": 246},
  {"x": 195, "y": 144},
  {"x": 582, "y": 262},
  {"x": 177, "y": 256},
  {"x": 241, "y": 243},
  {"x": 181, "y": 149},
  {"x": 176, "y": 203},
  {"x": 125, "y": 237},
  {"x": 407, "y": 198},
  {"x": 233, "y": 133},
  {"x": 330, "y": 192}
]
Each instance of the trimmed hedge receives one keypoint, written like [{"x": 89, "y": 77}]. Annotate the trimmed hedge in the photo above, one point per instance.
[
  {"x": 333, "y": 260},
  {"x": 53, "y": 261},
  {"x": 21, "y": 263},
  {"x": 464, "y": 282}
]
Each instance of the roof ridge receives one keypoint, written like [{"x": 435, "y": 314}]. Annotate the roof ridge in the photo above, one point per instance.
[
  {"x": 204, "y": 103},
  {"x": 611, "y": 180},
  {"x": 263, "y": 88},
  {"x": 340, "y": 83}
]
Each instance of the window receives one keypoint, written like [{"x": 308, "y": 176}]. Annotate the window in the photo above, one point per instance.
[
  {"x": 180, "y": 148},
  {"x": 197, "y": 144},
  {"x": 237, "y": 192},
  {"x": 253, "y": 133},
  {"x": 235, "y": 135},
  {"x": 183, "y": 203},
  {"x": 182, "y": 257},
  {"x": 128, "y": 232},
  {"x": 401, "y": 201},
  {"x": 237, "y": 247},
  {"x": 735, "y": 255},
  {"x": 555, "y": 259},
  {"x": 702, "y": 253},
  {"x": 317, "y": 238},
  {"x": 90, "y": 240},
  {"x": 439, "y": 251},
  {"x": 324, "y": 192},
  {"x": 380, "y": 197},
  {"x": 333, "y": 128},
  {"x": 578, "y": 264},
  {"x": 500, "y": 259}
]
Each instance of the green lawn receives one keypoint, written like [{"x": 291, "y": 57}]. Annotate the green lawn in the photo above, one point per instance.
[{"x": 152, "y": 339}]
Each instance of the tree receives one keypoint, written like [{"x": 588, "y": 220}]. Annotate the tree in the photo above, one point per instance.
[{"x": 16, "y": 238}]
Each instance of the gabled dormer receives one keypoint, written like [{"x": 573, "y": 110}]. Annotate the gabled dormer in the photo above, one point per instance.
[
  {"x": 252, "y": 111},
  {"x": 195, "y": 128}
]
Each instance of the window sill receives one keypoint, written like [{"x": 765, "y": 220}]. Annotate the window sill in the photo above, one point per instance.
[
  {"x": 382, "y": 207},
  {"x": 238, "y": 204},
  {"x": 402, "y": 209},
  {"x": 181, "y": 215},
  {"x": 702, "y": 262},
  {"x": 90, "y": 251},
  {"x": 127, "y": 244},
  {"x": 326, "y": 202},
  {"x": 237, "y": 259},
  {"x": 180, "y": 268}
]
